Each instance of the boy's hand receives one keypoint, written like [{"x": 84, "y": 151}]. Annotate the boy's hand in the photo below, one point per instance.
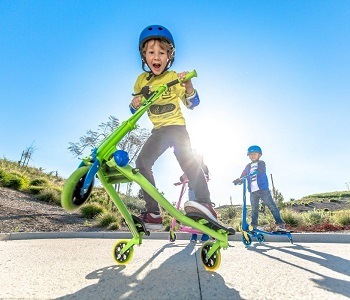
[
  {"x": 136, "y": 102},
  {"x": 187, "y": 84},
  {"x": 237, "y": 181}
]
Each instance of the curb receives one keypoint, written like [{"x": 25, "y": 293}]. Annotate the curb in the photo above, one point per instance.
[{"x": 341, "y": 238}]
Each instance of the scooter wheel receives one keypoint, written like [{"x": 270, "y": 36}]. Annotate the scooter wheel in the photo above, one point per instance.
[
  {"x": 71, "y": 199},
  {"x": 260, "y": 237},
  {"x": 119, "y": 257},
  {"x": 213, "y": 262},
  {"x": 172, "y": 237},
  {"x": 246, "y": 239}
]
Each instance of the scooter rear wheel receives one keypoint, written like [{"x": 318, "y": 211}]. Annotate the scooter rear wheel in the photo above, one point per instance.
[
  {"x": 260, "y": 237},
  {"x": 213, "y": 262},
  {"x": 71, "y": 198},
  {"x": 119, "y": 257}
]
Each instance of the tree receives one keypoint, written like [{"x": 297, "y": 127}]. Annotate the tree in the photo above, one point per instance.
[
  {"x": 131, "y": 143},
  {"x": 26, "y": 156}
]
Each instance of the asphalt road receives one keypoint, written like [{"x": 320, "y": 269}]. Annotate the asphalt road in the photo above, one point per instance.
[{"x": 83, "y": 268}]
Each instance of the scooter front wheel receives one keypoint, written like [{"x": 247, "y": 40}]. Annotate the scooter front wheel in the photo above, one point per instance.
[
  {"x": 246, "y": 239},
  {"x": 172, "y": 236},
  {"x": 71, "y": 198}
]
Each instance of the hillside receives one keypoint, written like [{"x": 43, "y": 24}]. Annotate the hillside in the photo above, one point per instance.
[
  {"x": 333, "y": 201},
  {"x": 30, "y": 201}
]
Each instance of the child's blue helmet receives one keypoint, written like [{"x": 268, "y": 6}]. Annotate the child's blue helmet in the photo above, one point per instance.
[
  {"x": 254, "y": 148},
  {"x": 157, "y": 32}
]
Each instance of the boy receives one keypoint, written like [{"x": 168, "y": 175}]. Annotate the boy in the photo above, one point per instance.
[
  {"x": 258, "y": 186},
  {"x": 157, "y": 51}
]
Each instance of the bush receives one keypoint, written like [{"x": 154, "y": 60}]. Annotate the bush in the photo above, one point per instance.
[
  {"x": 341, "y": 217},
  {"x": 35, "y": 190},
  {"x": 14, "y": 180},
  {"x": 39, "y": 182},
  {"x": 90, "y": 211},
  {"x": 228, "y": 213},
  {"x": 315, "y": 217},
  {"x": 133, "y": 204},
  {"x": 105, "y": 219},
  {"x": 291, "y": 218},
  {"x": 49, "y": 195}
]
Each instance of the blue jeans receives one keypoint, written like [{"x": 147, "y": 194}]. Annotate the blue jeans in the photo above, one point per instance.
[{"x": 265, "y": 196}]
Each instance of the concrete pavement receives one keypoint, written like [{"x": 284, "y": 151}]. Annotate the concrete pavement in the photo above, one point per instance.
[{"x": 83, "y": 268}]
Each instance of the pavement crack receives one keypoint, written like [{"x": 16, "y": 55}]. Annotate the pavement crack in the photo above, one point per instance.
[{"x": 199, "y": 279}]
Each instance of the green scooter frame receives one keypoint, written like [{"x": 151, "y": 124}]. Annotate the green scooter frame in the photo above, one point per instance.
[{"x": 111, "y": 166}]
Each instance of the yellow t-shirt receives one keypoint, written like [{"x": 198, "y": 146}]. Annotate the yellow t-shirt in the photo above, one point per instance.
[{"x": 166, "y": 109}]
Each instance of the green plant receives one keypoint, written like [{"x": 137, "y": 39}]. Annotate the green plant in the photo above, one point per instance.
[
  {"x": 292, "y": 218},
  {"x": 228, "y": 213},
  {"x": 35, "y": 190},
  {"x": 91, "y": 210},
  {"x": 315, "y": 217},
  {"x": 49, "y": 195},
  {"x": 16, "y": 181},
  {"x": 341, "y": 217},
  {"x": 39, "y": 182},
  {"x": 106, "y": 218}
]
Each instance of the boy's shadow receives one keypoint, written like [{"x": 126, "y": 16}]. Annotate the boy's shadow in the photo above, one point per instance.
[
  {"x": 176, "y": 278},
  {"x": 329, "y": 261}
]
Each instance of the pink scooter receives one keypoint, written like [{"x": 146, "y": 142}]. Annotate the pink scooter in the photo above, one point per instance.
[{"x": 175, "y": 226}]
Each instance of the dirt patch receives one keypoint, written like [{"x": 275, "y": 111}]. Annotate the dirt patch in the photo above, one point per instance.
[{"x": 21, "y": 212}]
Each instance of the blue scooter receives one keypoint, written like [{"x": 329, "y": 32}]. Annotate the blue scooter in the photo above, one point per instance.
[{"x": 248, "y": 231}]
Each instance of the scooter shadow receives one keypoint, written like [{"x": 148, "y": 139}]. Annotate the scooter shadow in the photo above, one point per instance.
[{"x": 181, "y": 276}]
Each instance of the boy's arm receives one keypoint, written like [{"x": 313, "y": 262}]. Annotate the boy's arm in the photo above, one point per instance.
[
  {"x": 239, "y": 180},
  {"x": 261, "y": 167},
  {"x": 191, "y": 96},
  {"x": 192, "y": 100}
]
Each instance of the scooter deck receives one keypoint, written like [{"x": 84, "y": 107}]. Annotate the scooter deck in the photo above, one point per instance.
[
  {"x": 281, "y": 232},
  {"x": 210, "y": 223}
]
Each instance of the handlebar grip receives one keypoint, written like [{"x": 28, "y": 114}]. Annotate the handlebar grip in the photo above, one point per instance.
[{"x": 189, "y": 75}]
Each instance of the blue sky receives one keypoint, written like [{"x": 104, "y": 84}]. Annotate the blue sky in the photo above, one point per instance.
[{"x": 272, "y": 73}]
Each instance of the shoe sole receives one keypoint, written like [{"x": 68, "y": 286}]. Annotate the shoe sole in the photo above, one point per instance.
[{"x": 195, "y": 207}]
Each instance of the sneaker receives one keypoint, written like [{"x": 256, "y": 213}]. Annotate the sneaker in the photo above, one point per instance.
[
  {"x": 281, "y": 227},
  {"x": 205, "y": 238},
  {"x": 153, "y": 221},
  {"x": 201, "y": 208},
  {"x": 194, "y": 238}
]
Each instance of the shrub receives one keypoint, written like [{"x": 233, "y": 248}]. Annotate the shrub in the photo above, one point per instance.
[
  {"x": 49, "y": 195},
  {"x": 341, "y": 217},
  {"x": 3, "y": 177},
  {"x": 39, "y": 182},
  {"x": 35, "y": 190},
  {"x": 228, "y": 213},
  {"x": 105, "y": 219},
  {"x": 90, "y": 211},
  {"x": 15, "y": 180},
  {"x": 292, "y": 218},
  {"x": 133, "y": 204},
  {"x": 315, "y": 217}
]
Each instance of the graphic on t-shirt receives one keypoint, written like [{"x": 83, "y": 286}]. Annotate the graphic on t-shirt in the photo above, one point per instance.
[{"x": 157, "y": 109}]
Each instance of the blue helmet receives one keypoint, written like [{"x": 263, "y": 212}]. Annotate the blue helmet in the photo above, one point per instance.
[
  {"x": 157, "y": 32},
  {"x": 254, "y": 148}
]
